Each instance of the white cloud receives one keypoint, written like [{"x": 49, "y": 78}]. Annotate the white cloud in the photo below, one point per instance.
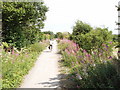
[{"x": 62, "y": 14}]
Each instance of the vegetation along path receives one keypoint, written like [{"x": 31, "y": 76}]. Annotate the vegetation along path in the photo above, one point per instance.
[{"x": 45, "y": 72}]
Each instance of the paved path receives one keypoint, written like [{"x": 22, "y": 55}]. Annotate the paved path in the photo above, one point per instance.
[{"x": 45, "y": 73}]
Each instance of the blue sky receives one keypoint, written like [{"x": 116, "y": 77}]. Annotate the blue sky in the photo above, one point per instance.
[{"x": 63, "y": 14}]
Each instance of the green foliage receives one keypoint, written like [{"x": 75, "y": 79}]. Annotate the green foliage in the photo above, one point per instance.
[
  {"x": 89, "y": 39},
  {"x": 22, "y": 21},
  {"x": 68, "y": 59},
  {"x": 102, "y": 75},
  {"x": 81, "y": 28},
  {"x": 17, "y": 64},
  {"x": 5, "y": 44},
  {"x": 93, "y": 66},
  {"x": 91, "y": 70},
  {"x": 66, "y": 35},
  {"x": 95, "y": 38},
  {"x": 116, "y": 39},
  {"x": 46, "y": 36},
  {"x": 36, "y": 47},
  {"x": 62, "y": 35},
  {"x": 51, "y": 34},
  {"x": 59, "y": 35}
]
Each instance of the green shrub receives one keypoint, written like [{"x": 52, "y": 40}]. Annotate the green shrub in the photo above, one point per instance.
[
  {"x": 90, "y": 39},
  {"x": 101, "y": 76},
  {"x": 36, "y": 47},
  {"x": 91, "y": 70},
  {"x": 68, "y": 59}
]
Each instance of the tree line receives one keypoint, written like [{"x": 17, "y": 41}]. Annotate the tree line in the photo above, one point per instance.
[{"x": 22, "y": 23}]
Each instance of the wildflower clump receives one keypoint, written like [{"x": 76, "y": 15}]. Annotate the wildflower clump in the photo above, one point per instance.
[
  {"x": 16, "y": 64},
  {"x": 91, "y": 69}
]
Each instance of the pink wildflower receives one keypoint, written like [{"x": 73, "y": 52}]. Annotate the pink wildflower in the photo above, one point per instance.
[
  {"x": 110, "y": 57},
  {"x": 106, "y": 46},
  {"x": 94, "y": 53},
  {"x": 88, "y": 55},
  {"x": 77, "y": 62},
  {"x": 84, "y": 51},
  {"x": 13, "y": 51},
  {"x": 16, "y": 54},
  {"x": 110, "y": 42},
  {"x": 100, "y": 54},
  {"x": 80, "y": 56},
  {"x": 103, "y": 44},
  {"x": 82, "y": 61},
  {"x": 66, "y": 50}
]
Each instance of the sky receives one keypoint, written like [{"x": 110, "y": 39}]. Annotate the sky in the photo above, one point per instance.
[{"x": 63, "y": 14}]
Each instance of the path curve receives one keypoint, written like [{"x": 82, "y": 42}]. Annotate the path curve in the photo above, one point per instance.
[{"x": 45, "y": 72}]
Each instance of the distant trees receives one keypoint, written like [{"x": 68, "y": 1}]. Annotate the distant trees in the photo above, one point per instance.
[
  {"x": 48, "y": 35},
  {"x": 59, "y": 35},
  {"x": 62, "y": 35},
  {"x": 66, "y": 35},
  {"x": 22, "y": 21}
]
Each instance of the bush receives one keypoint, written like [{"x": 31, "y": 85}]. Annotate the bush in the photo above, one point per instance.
[
  {"x": 97, "y": 69},
  {"x": 102, "y": 75},
  {"x": 36, "y": 47},
  {"x": 90, "y": 39},
  {"x": 15, "y": 65}
]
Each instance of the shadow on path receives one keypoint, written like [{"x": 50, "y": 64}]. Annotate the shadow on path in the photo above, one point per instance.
[
  {"x": 53, "y": 82},
  {"x": 63, "y": 83}
]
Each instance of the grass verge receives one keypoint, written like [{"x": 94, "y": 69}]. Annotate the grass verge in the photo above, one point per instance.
[{"x": 15, "y": 65}]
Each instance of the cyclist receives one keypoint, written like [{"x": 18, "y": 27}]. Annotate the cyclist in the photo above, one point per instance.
[{"x": 51, "y": 45}]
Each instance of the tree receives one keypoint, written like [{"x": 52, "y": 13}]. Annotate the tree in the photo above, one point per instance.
[
  {"x": 22, "y": 22},
  {"x": 81, "y": 28},
  {"x": 50, "y": 33},
  {"x": 59, "y": 35},
  {"x": 66, "y": 35},
  {"x": 88, "y": 38},
  {"x": 95, "y": 38}
]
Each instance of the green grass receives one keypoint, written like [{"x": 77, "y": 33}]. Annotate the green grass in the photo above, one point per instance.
[{"x": 15, "y": 67}]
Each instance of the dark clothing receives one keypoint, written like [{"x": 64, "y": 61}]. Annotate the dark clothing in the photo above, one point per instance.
[{"x": 50, "y": 46}]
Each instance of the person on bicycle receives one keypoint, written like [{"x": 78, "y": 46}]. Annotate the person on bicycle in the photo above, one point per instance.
[{"x": 51, "y": 45}]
